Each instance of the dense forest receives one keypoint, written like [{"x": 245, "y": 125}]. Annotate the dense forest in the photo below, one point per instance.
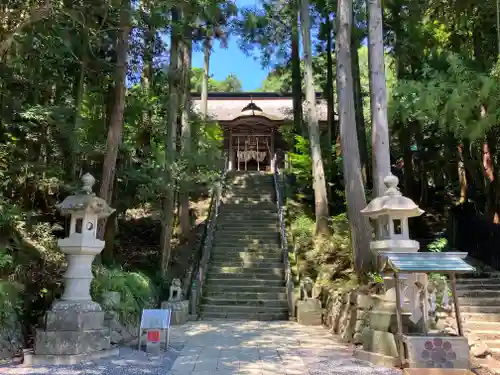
[{"x": 104, "y": 87}]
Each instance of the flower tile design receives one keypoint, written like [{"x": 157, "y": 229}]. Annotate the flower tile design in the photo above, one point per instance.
[{"x": 438, "y": 353}]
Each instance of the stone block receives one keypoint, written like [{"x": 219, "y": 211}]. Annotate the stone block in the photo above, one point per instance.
[
  {"x": 180, "y": 311},
  {"x": 380, "y": 342},
  {"x": 309, "y": 312},
  {"x": 437, "y": 351},
  {"x": 67, "y": 320},
  {"x": 71, "y": 342},
  {"x": 386, "y": 321}
]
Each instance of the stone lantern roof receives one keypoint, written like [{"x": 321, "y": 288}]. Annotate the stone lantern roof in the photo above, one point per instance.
[
  {"x": 85, "y": 201},
  {"x": 392, "y": 203}
]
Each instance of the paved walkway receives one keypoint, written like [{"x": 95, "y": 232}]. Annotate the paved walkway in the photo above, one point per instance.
[
  {"x": 229, "y": 348},
  {"x": 264, "y": 348}
]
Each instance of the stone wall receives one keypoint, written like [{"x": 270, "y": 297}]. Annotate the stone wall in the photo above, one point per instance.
[
  {"x": 11, "y": 335},
  {"x": 347, "y": 313}
]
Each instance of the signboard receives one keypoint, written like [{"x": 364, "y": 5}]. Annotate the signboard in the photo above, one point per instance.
[
  {"x": 156, "y": 319},
  {"x": 154, "y": 322},
  {"x": 154, "y": 336}
]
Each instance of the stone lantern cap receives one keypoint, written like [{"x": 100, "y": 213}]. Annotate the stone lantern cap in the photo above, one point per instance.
[
  {"x": 392, "y": 203},
  {"x": 86, "y": 200}
]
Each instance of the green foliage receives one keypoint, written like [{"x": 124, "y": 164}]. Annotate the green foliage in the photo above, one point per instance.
[
  {"x": 323, "y": 259},
  {"x": 137, "y": 291},
  {"x": 438, "y": 245}
]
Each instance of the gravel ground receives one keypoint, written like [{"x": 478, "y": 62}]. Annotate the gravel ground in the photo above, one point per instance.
[{"x": 128, "y": 362}]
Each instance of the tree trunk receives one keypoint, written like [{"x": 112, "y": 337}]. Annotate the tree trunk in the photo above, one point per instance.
[
  {"x": 354, "y": 188},
  {"x": 170, "y": 147},
  {"x": 115, "y": 129},
  {"x": 207, "y": 50},
  {"x": 358, "y": 108},
  {"x": 381, "y": 160},
  {"x": 330, "y": 99},
  {"x": 319, "y": 182},
  {"x": 184, "y": 217},
  {"x": 296, "y": 74}
]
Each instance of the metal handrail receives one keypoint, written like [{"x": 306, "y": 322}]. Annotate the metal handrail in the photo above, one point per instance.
[
  {"x": 278, "y": 184},
  {"x": 200, "y": 268}
]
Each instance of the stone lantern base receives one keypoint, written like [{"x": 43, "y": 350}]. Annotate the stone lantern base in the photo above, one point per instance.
[{"x": 73, "y": 331}]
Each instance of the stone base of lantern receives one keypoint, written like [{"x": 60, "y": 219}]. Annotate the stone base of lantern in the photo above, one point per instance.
[
  {"x": 380, "y": 336},
  {"x": 180, "y": 311},
  {"x": 72, "y": 330}
]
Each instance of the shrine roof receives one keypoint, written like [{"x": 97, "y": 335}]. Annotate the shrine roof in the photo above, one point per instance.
[
  {"x": 227, "y": 106},
  {"x": 426, "y": 262}
]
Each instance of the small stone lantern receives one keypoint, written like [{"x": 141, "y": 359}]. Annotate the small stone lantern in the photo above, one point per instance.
[
  {"x": 392, "y": 211},
  {"x": 74, "y": 325}
]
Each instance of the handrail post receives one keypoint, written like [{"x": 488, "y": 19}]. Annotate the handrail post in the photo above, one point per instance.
[
  {"x": 200, "y": 266},
  {"x": 284, "y": 245}
]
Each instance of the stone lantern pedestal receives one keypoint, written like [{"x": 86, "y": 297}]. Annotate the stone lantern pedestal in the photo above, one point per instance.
[{"x": 74, "y": 328}]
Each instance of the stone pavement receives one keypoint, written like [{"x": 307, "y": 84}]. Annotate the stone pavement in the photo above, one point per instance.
[
  {"x": 263, "y": 348},
  {"x": 228, "y": 348}
]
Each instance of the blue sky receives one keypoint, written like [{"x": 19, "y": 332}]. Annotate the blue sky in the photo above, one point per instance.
[{"x": 232, "y": 60}]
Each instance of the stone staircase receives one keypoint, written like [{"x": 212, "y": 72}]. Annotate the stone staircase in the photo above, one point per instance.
[
  {"x": 479, "y": 300},
  {"x": 245, "y": 278}
]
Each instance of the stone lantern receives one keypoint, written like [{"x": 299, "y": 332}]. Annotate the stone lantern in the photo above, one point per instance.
[
  {"x": 391, "y": 212},
  {"x": 74, "y": 325}
]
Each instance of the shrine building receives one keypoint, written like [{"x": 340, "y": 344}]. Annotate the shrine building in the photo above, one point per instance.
[{"x": 251, "y": 124}]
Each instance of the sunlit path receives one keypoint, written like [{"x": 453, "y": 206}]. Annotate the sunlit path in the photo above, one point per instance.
[{"x": 263, "y": 348}]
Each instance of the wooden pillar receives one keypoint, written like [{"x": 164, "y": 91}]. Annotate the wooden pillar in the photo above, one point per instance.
[
  {"x": 231, "y": 151},
  {"x": 238, "y": 153},
  {"x": 257, "y": 146},
  {"x": 271, "y": 151},
  {"x": 399, "y": 320},
  {"x": 456, "y": 303},
  {"x": 246, "y": 139}
]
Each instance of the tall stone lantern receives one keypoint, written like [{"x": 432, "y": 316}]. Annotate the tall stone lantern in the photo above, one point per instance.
[
  {"x": 391, "y": 212},
  {"x": 74, "y": 325}
]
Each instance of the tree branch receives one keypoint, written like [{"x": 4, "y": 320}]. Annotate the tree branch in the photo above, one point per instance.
[{"x": 36, "y": 14}]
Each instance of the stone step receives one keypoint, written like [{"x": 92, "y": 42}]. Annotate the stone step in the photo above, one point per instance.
[
  {"x": 482, "y": 325},
  {"x": 240, "y": 244},
  {"x": 262, "y": 294},
  {"x": 264, "y": 303},
  {"x": 480, "y": 309},
  {"x": 466, "y": 287},
  {"x": 246, "y": 274},
  {"x": 243, "y": 282},
  {"x": 246, "y": 265},
  {"x": 477, "y": 316},
  {"x": 263, "y": 222},
  {"x": 493, "y": 345},
  {"x": 478, "y": 281},
  {"x": 249, "y": 200},
  {"x": 251, "y": 310},
  {"x": 251, "y": 288},
  {"x": 271, "y": 246},
  {"x": 480, "y": 301},
  {"x": 487, "y": 335},
  {"x": 245, "y": 316},
  {"x": 479, "y": 293},
  {"x": 238, "y": 256},
  {"x": 257, "y": 272},
  {"x": 248, "y": 234}
]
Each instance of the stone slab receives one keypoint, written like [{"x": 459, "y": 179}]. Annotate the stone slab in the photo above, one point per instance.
[
  {"x": 180, "y": 311},
  {"x": 32, "y": 359},
  {"x": 380, "y": 342},
  {"x": 377, "y": 358},
  {"x": 68, "y": 320},
  {"x": 309, "y": 312},
  {"x": 71, "y": 342}
]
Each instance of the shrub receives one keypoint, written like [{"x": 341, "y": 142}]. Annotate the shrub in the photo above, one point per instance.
[
  {"x": 137, "y": 292},
  {"x": 323, "y": 259}
]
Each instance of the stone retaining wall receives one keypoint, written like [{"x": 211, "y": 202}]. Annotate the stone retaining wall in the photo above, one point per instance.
[{"x": 347, "y": 314}]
